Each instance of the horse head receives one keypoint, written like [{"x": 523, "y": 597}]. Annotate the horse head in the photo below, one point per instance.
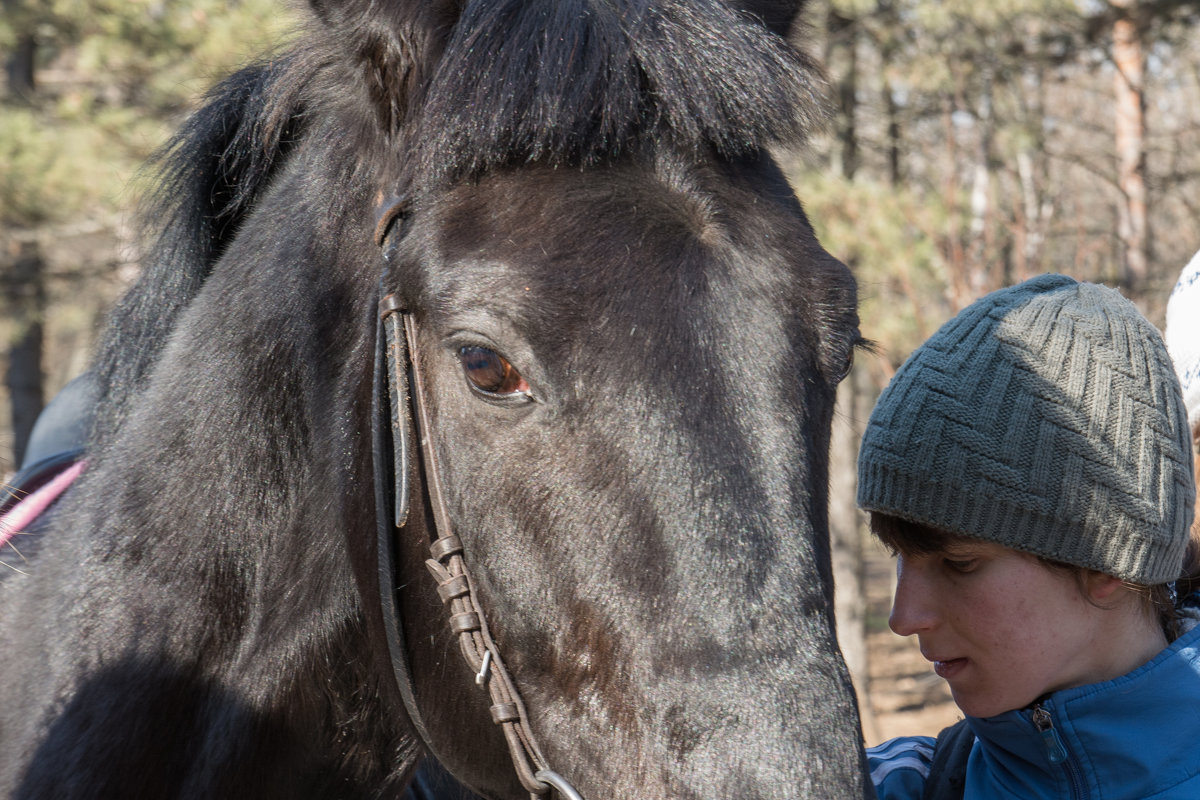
[
  {"x": 630, "y": 339},
  {"x": 625, "y": 341}
]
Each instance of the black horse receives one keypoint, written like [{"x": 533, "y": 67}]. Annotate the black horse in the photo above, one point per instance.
[{"x": 627, "y": 339}]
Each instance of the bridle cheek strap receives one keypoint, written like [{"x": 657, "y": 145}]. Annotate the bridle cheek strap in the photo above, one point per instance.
[
  {"x": 391, "y": 433},
  {"x": 449, "y": 570}
]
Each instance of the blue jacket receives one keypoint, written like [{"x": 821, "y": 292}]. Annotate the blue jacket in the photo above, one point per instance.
[{"x": 1136, "y": 737}]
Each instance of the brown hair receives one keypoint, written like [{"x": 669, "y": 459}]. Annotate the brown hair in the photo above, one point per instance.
[{"x": 902, "y": 536}]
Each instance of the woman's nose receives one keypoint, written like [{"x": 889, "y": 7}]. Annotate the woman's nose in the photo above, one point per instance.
[{"x": 914, "y": 609}]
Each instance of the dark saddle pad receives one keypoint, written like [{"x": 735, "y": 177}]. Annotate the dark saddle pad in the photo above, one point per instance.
[{"x": 58, "y": 441}]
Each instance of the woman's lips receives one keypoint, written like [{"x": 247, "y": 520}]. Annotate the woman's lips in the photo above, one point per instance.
[{"x": 948, "y": 668}]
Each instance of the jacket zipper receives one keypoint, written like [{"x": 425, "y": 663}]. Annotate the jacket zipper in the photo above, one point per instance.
[{"x": 1056, "y": 751}]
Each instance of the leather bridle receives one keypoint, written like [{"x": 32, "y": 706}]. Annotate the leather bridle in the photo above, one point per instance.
[{"x": 400, "y": 415}]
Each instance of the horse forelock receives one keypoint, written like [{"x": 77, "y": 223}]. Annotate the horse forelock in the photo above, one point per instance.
[{"x": 578, "y": 82}]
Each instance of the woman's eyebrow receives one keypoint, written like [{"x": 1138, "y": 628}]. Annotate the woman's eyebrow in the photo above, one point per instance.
[{"x": 960, "y": 549}]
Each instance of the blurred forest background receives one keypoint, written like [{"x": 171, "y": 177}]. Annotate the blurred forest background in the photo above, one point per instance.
[{"x": 970, "y": 145}]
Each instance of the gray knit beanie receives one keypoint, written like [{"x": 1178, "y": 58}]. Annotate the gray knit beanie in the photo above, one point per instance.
[{"x": 1047, "y": 418}]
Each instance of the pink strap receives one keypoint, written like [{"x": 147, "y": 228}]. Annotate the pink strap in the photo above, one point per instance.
[{"x": 26, "y": 511}]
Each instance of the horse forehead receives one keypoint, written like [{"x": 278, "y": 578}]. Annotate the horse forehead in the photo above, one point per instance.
[
  {"x": 601, "y": 234},
  {"x": 530, "y": 205}
]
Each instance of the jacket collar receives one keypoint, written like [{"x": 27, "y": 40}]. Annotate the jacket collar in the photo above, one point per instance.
[{"x": 1119, "y": 733}]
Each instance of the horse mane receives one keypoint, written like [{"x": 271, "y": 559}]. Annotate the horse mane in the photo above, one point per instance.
[
  {"x": 209, "y": 175},
  {"x": 581, "y": 81}
]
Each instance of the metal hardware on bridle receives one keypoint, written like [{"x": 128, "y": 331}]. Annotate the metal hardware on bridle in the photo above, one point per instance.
[{"x": 406, "y": 411}]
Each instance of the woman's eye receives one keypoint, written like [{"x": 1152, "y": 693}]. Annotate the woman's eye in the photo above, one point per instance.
[
  {"x": 961, "y": 565},
  {"x": 490, "y": 372}
]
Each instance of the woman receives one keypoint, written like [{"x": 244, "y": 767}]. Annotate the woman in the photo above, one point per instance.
[{"x": 1031, "y": 467}]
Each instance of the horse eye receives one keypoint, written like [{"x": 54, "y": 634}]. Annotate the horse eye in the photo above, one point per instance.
[
  {"x": 846, "y": 367},
  {"x": 866, "y": 345},
  {"x": 490, "y": 372}
]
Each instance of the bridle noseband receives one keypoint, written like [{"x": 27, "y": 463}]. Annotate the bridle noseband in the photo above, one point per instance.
[{"x": 399, "y": 414}]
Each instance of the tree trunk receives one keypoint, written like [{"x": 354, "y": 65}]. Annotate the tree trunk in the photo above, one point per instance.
[
  {"x": 887, "y": 46},
  {"x": 841, "y": 58},
  {"x": 954, "y": 251},
  {"x": 892, "y": 110},
  {"x": 20, "y": 70},
  {"x": 845, "y": 530},
  {"x": 19, "y": 67},
  {"x": 1032, "y": 210},
  {"x": 979, "y": 279},
  {"x": 1130, "y": 124},
  {"x": 27, "y": 305}
]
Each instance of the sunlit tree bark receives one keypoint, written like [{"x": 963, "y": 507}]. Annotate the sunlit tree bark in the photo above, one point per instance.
[{"x": 1130, "y": 127}]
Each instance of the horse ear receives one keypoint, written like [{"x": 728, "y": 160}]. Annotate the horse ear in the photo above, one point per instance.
[{"x": 392, "y": 47}]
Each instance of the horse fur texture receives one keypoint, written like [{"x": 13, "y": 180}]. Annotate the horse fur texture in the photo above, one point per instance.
[{"x": 588, "y": 199}]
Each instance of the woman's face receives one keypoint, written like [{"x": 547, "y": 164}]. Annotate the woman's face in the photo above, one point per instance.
[{"x": 1000, "y": 626}]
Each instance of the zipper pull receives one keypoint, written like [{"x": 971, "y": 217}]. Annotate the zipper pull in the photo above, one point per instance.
[{"x": 1055, "y": 751}]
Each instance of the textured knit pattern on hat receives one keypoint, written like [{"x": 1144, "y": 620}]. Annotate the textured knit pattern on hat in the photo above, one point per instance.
[{"x": 1047, "y": 418}]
